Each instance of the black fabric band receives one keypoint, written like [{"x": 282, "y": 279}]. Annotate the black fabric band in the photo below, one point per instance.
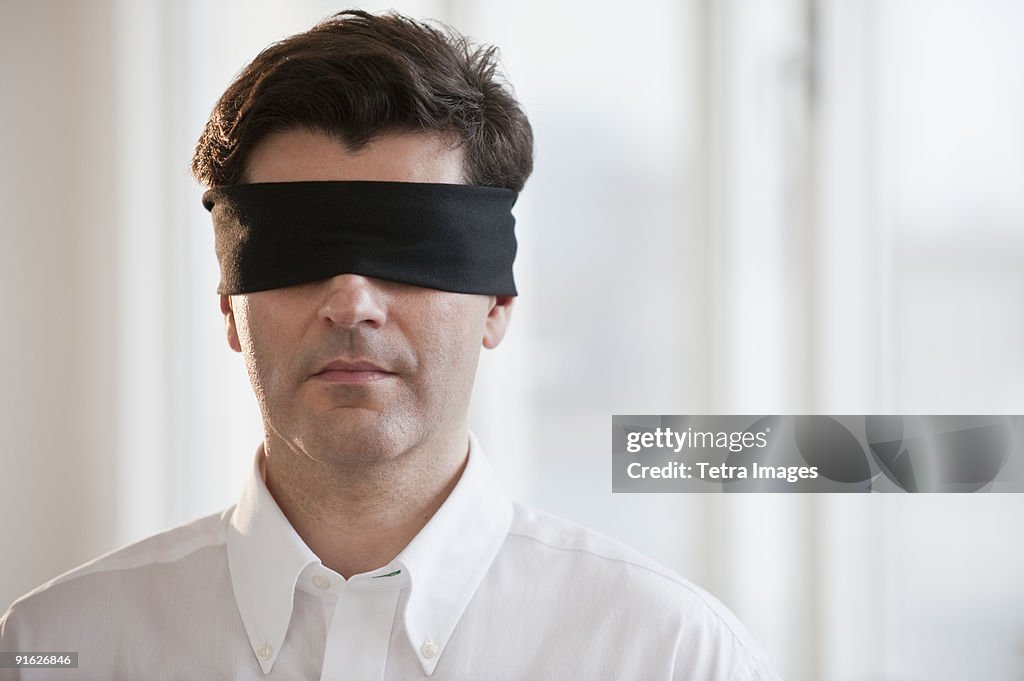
[{"x": 444, "y": 236}]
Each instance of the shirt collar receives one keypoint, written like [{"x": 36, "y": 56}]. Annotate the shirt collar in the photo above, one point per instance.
[
  {"x": 445, "y": 563},
  {"x": 265, "y": 558},
  {"x": 449, "y": 557}
]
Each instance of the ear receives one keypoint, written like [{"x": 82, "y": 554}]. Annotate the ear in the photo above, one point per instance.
[
  {"x": 498, "y": 317},
  {"x": 229, "y": 323}
]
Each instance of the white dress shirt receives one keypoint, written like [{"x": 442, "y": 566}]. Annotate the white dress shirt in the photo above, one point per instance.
[{"x": 489, "y": 589}]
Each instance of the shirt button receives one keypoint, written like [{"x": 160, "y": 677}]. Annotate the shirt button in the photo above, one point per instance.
[
  {"x": 320, "y": 582},
  {"x": 429, "y": 649},
  {"x": 265, "y": 651}
]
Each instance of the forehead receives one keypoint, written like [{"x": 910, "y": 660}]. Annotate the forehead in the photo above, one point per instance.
[{"x": 302, "y": 155}]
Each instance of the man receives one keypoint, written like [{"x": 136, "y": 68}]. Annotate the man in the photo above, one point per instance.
[{"x": 362, "y": 176}]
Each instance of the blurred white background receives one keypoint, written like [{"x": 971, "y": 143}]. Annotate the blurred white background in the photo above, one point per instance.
[{"x": 739, "y": 206}]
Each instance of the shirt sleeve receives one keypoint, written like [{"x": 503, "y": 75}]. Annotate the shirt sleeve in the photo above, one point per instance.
[{"x": 713, "y": 645}]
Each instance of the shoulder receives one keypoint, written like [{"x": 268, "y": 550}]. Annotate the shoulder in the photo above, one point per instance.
[
  {"x": 125, "y": 575},
  {"x": 591, "y": 554},
  {"x": 550, "y": 533},
  {"x": 581, "y": 567}
]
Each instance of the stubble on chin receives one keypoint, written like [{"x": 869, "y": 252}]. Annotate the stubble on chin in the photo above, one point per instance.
[{"x": 348, "y": 441}]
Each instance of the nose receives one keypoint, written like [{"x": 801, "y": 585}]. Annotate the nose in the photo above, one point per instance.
[{"x": 352, "y": 300}]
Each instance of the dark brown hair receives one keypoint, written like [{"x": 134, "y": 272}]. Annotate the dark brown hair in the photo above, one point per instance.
[{"x": 357, "y": 75}]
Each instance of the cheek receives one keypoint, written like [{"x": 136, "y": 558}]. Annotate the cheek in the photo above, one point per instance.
[
  {"x": 450, "y": 336},
  {"x": 264, "y": 352},
  {"x": 252, "y": 356}
]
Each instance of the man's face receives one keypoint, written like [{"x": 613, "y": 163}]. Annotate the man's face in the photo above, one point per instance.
[{"x": 353, "y": 369}]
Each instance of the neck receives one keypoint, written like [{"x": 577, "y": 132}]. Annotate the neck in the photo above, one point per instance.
[{"x": 357, "y": 517}]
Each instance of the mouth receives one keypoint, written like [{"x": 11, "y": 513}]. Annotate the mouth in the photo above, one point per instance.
[{"x": 343, "y": 371}]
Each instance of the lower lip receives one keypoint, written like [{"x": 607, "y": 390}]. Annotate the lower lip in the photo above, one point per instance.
[{"x": 352, "y": 376}]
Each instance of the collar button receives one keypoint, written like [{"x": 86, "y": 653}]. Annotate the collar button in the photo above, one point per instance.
[
  {"x": 265, "y": 652},
  {"x": 429, "y": 649}
]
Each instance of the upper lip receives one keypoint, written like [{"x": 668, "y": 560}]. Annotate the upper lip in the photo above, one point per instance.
[{"x": 351, "y": 365}]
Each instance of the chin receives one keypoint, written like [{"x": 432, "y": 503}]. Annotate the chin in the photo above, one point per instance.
[{"x": 360, "y": 441}]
